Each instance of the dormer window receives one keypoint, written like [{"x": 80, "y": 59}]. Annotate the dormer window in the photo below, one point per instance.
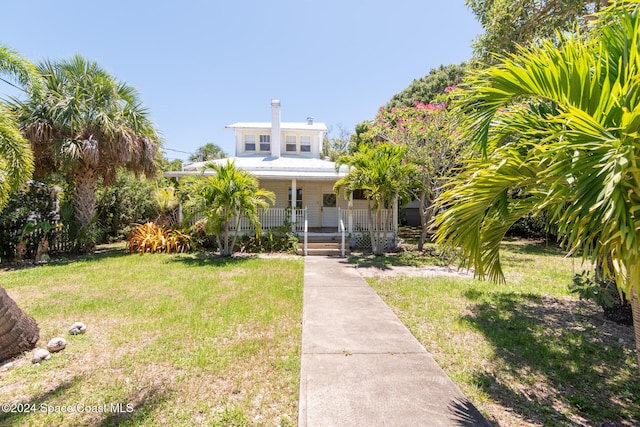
[
  {"x": 265, "y": 142},
  {"x": 249, "y": 143},
  {"x": 305, "y": 144}
]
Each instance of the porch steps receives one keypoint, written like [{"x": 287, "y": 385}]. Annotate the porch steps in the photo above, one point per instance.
[{"x": 322, "y": 248}]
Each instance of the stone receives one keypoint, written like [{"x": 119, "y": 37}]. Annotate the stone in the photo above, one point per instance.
[
  {"x": 39, "y": 355},
  {"x": 78, "y": 328},
  {"x": 6, "y": 367},
  {"x": 56, "y": 344}
]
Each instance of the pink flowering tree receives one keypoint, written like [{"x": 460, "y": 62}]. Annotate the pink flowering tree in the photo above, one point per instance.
[{"x": 429, "y": 132}]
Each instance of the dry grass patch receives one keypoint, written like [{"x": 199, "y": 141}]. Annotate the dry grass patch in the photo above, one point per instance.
[{"x": 172, "y": 339}]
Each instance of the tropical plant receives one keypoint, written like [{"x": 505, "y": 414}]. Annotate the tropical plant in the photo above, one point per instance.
[
  {"x": 384, "y": 175},
  {"x": 207, "y": 152},
  {"x": 19, "y": 331},
  {"x": 166, "y": 204},
  {"x": 16, "y": 161},
  {"x": 86, "y": 125},
  {"x": 221, "y": 201},
  {"x": 559, "y": 125},
  {"x": 152, "y": 238}
]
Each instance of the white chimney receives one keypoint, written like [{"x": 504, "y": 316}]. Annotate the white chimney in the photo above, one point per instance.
[
  {"x": 309, "y": 121},
  {"x": 275, "y": 128}
]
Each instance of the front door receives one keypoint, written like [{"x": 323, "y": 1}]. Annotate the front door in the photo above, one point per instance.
[{"x": 329, "y": 210}]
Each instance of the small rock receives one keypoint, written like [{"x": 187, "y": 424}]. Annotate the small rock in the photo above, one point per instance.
[
  {"x": 40, "y": 354},
  {"x": 6, "y": 367},
  {"x": 78, "y": 328},
  {"x": 56, "y": 344}
]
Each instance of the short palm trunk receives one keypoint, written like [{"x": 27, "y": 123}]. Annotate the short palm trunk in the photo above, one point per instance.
[{"x": 19, "y": 332}]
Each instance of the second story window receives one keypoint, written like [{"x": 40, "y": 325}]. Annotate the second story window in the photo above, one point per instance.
[
  {"x": 305, "y": 144},
  {"x": 249, "y": 143},
  {"x": 290, "y": 143},
  {"x": 265, "y": 142}
]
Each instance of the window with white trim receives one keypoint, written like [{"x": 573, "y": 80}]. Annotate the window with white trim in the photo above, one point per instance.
[
  {"x": 291, "y": 145},
  {"x": 265, "y": 142},
  {"x": 249, "y": 143},
  {"x": 305, "y": 144},
  {"x": 298, "y": 198}
]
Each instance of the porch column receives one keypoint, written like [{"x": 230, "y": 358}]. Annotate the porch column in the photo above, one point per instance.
[
  {"x": 395, "y": 221},
  {"x": 350, "y": 219},
  {"x": 395, "y": 216},
  {"x": 294, "y": 202}
]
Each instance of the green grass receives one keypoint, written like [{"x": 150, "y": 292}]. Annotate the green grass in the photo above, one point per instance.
[
  {"x": 181, "y": 339},
  {"x": 525, "y": 352}
]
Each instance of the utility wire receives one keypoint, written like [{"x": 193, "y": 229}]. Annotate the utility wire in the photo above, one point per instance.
[{"x": 177, "y": 151}]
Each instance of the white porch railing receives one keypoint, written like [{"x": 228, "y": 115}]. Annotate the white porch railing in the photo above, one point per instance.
[
  {"x": 360, "y": 219},
  {"x": 274, "y": 217}
]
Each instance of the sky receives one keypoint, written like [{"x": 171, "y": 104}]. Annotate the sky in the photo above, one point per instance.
[{"x": 202, "y": 65}]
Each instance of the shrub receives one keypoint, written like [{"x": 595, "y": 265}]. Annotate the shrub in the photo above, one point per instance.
[
  {"x": 604, "y": 293},
  {"x": 152, "y": 238},
  {"x": 129, "y": 200},
  {"x": 35, "y": 205},
  {"x": 273, "y": 240}
]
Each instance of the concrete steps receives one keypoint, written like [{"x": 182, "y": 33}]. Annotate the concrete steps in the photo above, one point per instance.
[{"x": 322, "y": 248}]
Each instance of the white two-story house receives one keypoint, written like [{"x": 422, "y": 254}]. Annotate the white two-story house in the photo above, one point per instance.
[{"x": 286, "y": 157}]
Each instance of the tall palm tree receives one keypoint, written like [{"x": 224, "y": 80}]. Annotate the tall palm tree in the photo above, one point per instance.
[
  {"x": 559, "y": 129},
  {"x": 87, "y": 124},
  {"x": 222, "y": 200},
  {"x": 381, "y": 171},
  {"x": 19, "y": 331}
]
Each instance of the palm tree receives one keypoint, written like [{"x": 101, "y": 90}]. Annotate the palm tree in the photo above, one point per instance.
[
  {"x": 19, "y": 331},
  {"x": 559, "y": 129},
  {"x": 207, "y": 152},
  {"x": 381, "y": 171},
  {"x": 16, "y": 159},
  {"x": 223, "y": 200},
  {"x": 86, "y": 125}
]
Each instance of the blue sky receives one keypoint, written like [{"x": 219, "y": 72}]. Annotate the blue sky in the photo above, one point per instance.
[{"x": 201, "y": 65}]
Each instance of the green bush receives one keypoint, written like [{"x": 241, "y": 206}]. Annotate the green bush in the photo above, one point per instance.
[
  {"x": 36, "y": 204},
  {"x": 604, "y": 293},
  {"x": 280, "y": 239},
  {"x": 531, "y": 227},
  {"x": 129, "y": 200}
]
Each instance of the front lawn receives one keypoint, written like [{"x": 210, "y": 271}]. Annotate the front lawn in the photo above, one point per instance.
[
  {"x": 174, "y": 339},
  {"x": 526, "y": 352}
]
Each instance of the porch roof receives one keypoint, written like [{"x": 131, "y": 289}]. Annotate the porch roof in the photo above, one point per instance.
[{"x": 284, "y": 167}]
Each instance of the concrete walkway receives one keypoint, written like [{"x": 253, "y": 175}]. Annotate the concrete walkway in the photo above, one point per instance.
[{"x": 361, "y": 366}]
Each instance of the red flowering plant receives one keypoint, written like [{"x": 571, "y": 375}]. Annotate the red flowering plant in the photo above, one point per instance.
[{"x": 430, "y": 134}]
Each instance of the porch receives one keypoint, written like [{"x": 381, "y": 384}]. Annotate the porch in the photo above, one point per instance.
[{"x": 352, "y": 230}]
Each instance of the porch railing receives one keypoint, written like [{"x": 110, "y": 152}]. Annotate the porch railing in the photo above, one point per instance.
[
  {"x": 274, "y": 217},
  {"x": 360, "y": 219}
]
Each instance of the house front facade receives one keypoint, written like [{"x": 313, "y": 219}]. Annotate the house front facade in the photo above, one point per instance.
[{"x": 286, "y": 157}]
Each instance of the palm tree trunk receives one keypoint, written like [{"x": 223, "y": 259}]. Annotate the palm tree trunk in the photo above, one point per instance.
[
  {"x": 635, "y": 308},
  {"x": 18, "y": 332},
  {"x": 85, "y": 203}
]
